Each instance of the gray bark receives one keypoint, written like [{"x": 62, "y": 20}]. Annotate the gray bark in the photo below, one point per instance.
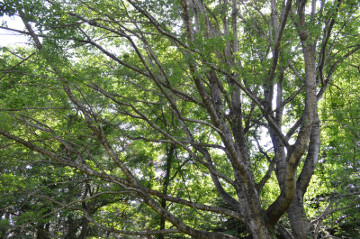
[{"x": 298, "y": 219}]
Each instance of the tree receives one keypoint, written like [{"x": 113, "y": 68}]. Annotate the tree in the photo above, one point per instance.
[
  {"x": 167, "y": 104},
  {"x": 339, "y": 163}
]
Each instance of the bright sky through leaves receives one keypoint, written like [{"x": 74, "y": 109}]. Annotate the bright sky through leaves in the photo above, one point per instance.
[{"x": 8, "y": 38}]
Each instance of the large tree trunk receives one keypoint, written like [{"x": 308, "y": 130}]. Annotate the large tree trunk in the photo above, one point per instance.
[
  {"x": 299, "y": 223},
  {"x": 298, "y": 219},
  {"x": 259, "y": 230}
]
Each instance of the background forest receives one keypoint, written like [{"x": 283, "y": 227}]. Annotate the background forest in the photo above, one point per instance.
[{"x": 181, "y": 119}]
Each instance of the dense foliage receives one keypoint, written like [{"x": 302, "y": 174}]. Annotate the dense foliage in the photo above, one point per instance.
[{"x": 181, "y": 119}]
